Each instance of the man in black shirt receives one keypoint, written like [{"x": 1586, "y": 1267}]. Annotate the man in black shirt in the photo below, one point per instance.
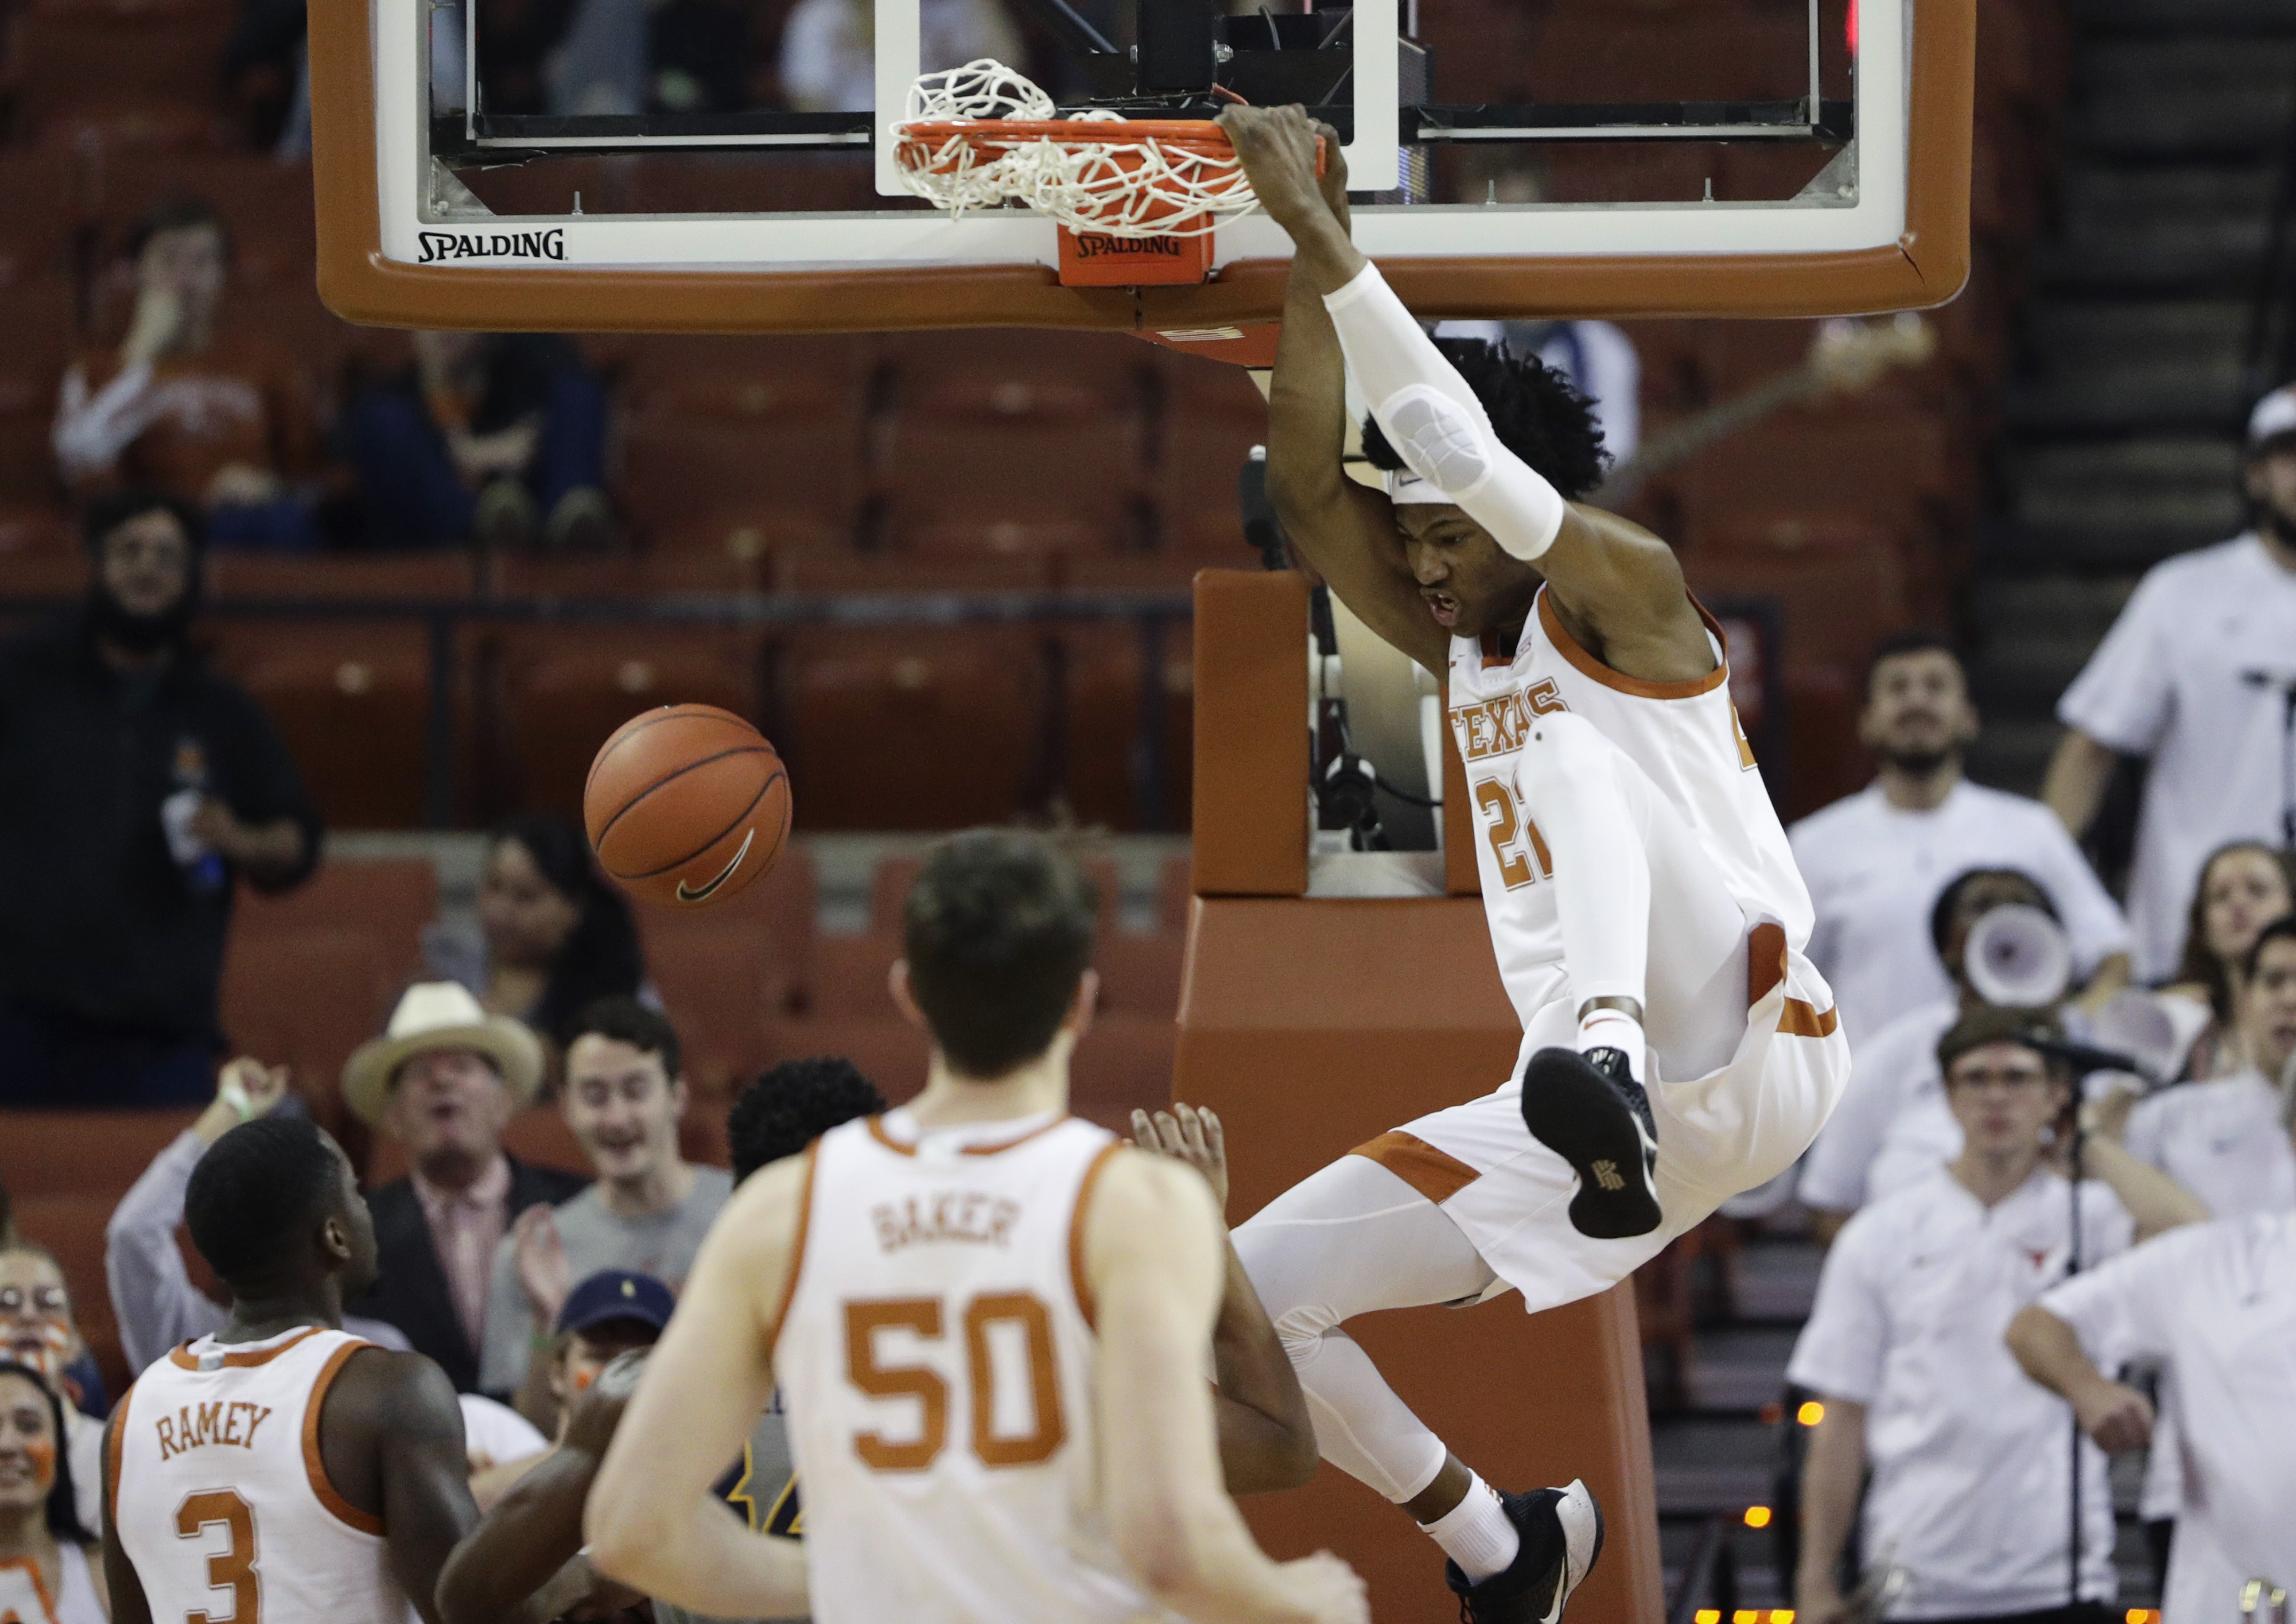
[{"x": 134, "y": 785}]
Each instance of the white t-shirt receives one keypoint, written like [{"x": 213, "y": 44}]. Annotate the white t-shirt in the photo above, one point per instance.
[
  {"x": 1875, "y": 873},
  {"x": 1887, "y": 1073},
  {"x": 2216, "y": 1304},
  {"x": 2169, "y": 681},
  {"x": 495, "y": 1434},
  {"x": 1971, "y": 1492},
  {"x": 2223, "y": 1141}
]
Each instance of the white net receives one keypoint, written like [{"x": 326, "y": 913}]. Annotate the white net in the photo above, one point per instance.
[{"x": 1129, "y": 187}]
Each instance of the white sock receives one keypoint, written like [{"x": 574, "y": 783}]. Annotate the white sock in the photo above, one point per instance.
[
  {"x": 1475, "y": 1533},
  {"x": 1614, "y": 1029}
]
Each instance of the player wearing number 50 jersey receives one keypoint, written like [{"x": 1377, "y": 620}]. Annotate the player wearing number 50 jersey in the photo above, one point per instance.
[
  {"x": 281, "y": 1472},
  {"x": 1644, "y": 906},
  {"x": 989, "y": 1322}
]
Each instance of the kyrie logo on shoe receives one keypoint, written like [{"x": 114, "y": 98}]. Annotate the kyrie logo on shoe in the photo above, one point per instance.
[{"x": 1606, "y": 1173}]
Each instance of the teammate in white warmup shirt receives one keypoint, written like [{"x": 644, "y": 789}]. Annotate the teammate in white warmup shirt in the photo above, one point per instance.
[
  {"x": 280, "y": 1468},
  {"x": 1644, "y": 906},
  {"x": 1876, "y": 861},
  {"x": 1971, "y": 1493},
  {"x": 990, "y": 1321}
]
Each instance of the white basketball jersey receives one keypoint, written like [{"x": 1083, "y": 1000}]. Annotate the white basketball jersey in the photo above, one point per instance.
[
  {"x": 221, "y": 1496},
  {"x": 936, "y": 1359},
  {"x": 1685, "y": 735}
]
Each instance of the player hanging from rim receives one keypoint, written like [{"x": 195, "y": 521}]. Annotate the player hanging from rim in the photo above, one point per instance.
[
  {"x": 308, "y": 1473},
  {"x": 1644, "y": 904},
  {"x": 525, "y": 1553},
  {"x": 989, "y": 1322}
]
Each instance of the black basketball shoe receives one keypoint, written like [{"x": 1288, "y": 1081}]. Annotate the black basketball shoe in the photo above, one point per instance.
[
  {"x": 1589, "y": 1109},
  {"x": 1561, "y": 1531}
]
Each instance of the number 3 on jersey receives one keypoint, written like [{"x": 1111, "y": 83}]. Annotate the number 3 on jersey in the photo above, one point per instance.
[
  {"x": 1522, "y": 854},
  {"x": 1030, "y": 1327}
]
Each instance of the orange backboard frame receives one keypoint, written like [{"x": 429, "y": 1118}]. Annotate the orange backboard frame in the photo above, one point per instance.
[{"x": 1927, "y": 265}]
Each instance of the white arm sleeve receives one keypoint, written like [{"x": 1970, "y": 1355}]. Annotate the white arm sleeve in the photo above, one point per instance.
[{"x": 1434, "y": 421}]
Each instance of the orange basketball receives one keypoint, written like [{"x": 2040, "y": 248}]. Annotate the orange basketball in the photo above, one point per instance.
[{"x": 686, "y": 805}]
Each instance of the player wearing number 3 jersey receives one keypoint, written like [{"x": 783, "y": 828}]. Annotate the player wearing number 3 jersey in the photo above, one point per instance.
[
  {"x": 280, "y": 1471},
  {"x": 1644, "y": 906},
  {"x": 989, "y": 1322}
]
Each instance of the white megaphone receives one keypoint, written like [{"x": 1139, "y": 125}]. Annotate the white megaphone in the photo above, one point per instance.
[
  {"x": 2157, "y": 1030},
  {"x": 2018, "y": 956}
]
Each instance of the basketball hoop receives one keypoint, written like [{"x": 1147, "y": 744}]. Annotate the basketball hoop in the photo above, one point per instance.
[
  {"x": 1138, "y": 200},
  {"x": 981, "y": 136}
]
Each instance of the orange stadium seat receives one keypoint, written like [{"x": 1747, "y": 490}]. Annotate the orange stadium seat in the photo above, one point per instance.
[
  {"x": 640, "y": 575},
  {"x": 1013, "y": 525},
  {"x": 1156, "y": 572},
  {"x": 305, "y": 996},
  {"x": 446, "y": 577},
  {"x": 60, "y": 1153},
  {"x": 721, "y": 983},
  {"x": 889, "y": 1050},
  {"x": 1899, "y": 470},
  {"x": 784, "y": 376},
  {"x": 1140, "y": 972},
  {"x": 44, "y": 534},
  {"x": 918, "y": 728},
  {"x": 756, "y": 184},
  {"x": 1103, "y": 720},
  {"x": 1123, "y": 1064},
  {"x": 388, "y": 899},
  {"x": 1701, "y": 56},
  {"x": 1195, "y": 386},
  {"x": 352, "y": 698},
  {"x": 676, "y": 470},
  {"x": 1199, "y": 457},
  {"x": 558, "y": 690},
  {"x": 39, "y": 215},
  {"x": 846, "y": 980},
  {"x": 268, "y": 205},
  {"x": 76, "y": 57},
  {"x": 749, "y": 535},
  {"x": 929, "y": 461},
  {"x": 998, "y": 373},
  {"x": 845, "y": 570}
]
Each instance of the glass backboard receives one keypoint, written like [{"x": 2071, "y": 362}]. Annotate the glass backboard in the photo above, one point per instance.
[{"x": 1796, "y": 158}]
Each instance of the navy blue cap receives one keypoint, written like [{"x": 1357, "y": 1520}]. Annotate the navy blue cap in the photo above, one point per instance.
[{"x": 616, "y": 1294}]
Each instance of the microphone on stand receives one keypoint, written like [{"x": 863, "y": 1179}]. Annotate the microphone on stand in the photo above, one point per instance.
[{"x": 2283, "y": 683}]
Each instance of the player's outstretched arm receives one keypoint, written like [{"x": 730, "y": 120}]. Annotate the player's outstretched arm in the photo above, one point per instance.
[
  {"x": 651, "y": 1521},
  {"x": 1618, "y": 585},
  {"x": 1266, "y": 1440},
  {"x": 523, "y": 1561},
  {"x": 1152, "y": 1263},
  {"x": 123, "y": 1586},
  {"x": 391, "y": 1433},
  {"x": 1345, "y": 531}
]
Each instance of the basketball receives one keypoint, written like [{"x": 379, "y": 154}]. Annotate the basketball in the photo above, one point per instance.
[{"x": 686, "y": 805}]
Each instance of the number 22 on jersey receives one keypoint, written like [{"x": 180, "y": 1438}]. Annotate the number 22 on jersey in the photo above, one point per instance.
[{"x": 1014, "y": 1325}]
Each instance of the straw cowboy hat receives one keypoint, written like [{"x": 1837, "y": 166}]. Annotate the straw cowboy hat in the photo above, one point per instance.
[{"x": 433, "y": 1015}]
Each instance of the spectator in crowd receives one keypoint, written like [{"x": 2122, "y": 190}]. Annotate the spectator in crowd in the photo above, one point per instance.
[
  {"x": 153, "y": 1299},
  {"x": 2225, "y": 1140},
  {"x": 2214, "y": 1306},
  {"x": 497, "y": 437},
  {"x": 2194, "y": 677},
  {"x": 49, "y": 1572},
  {"x": 624, "y": 1096},
  {"x": 43, "y": 1336},
  {"x": 443, "y": 1080},
  {"x": 829, "y": 62},
  {"x": 554, "y": 936},
  {"x": 2243, "y": 886},
  {"x": 1874, "y": 862},
  {"x": 1972, "y": 1480},
  {"x": 135, "y": 784},
  {"x": 1892, "y": 1127},
  {"x": 224, "y": 421},
  {"x": 607, "y": 1314}
]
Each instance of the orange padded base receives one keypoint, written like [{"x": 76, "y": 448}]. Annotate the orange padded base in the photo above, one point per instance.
[{"x": 1313, "y": 1026}]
